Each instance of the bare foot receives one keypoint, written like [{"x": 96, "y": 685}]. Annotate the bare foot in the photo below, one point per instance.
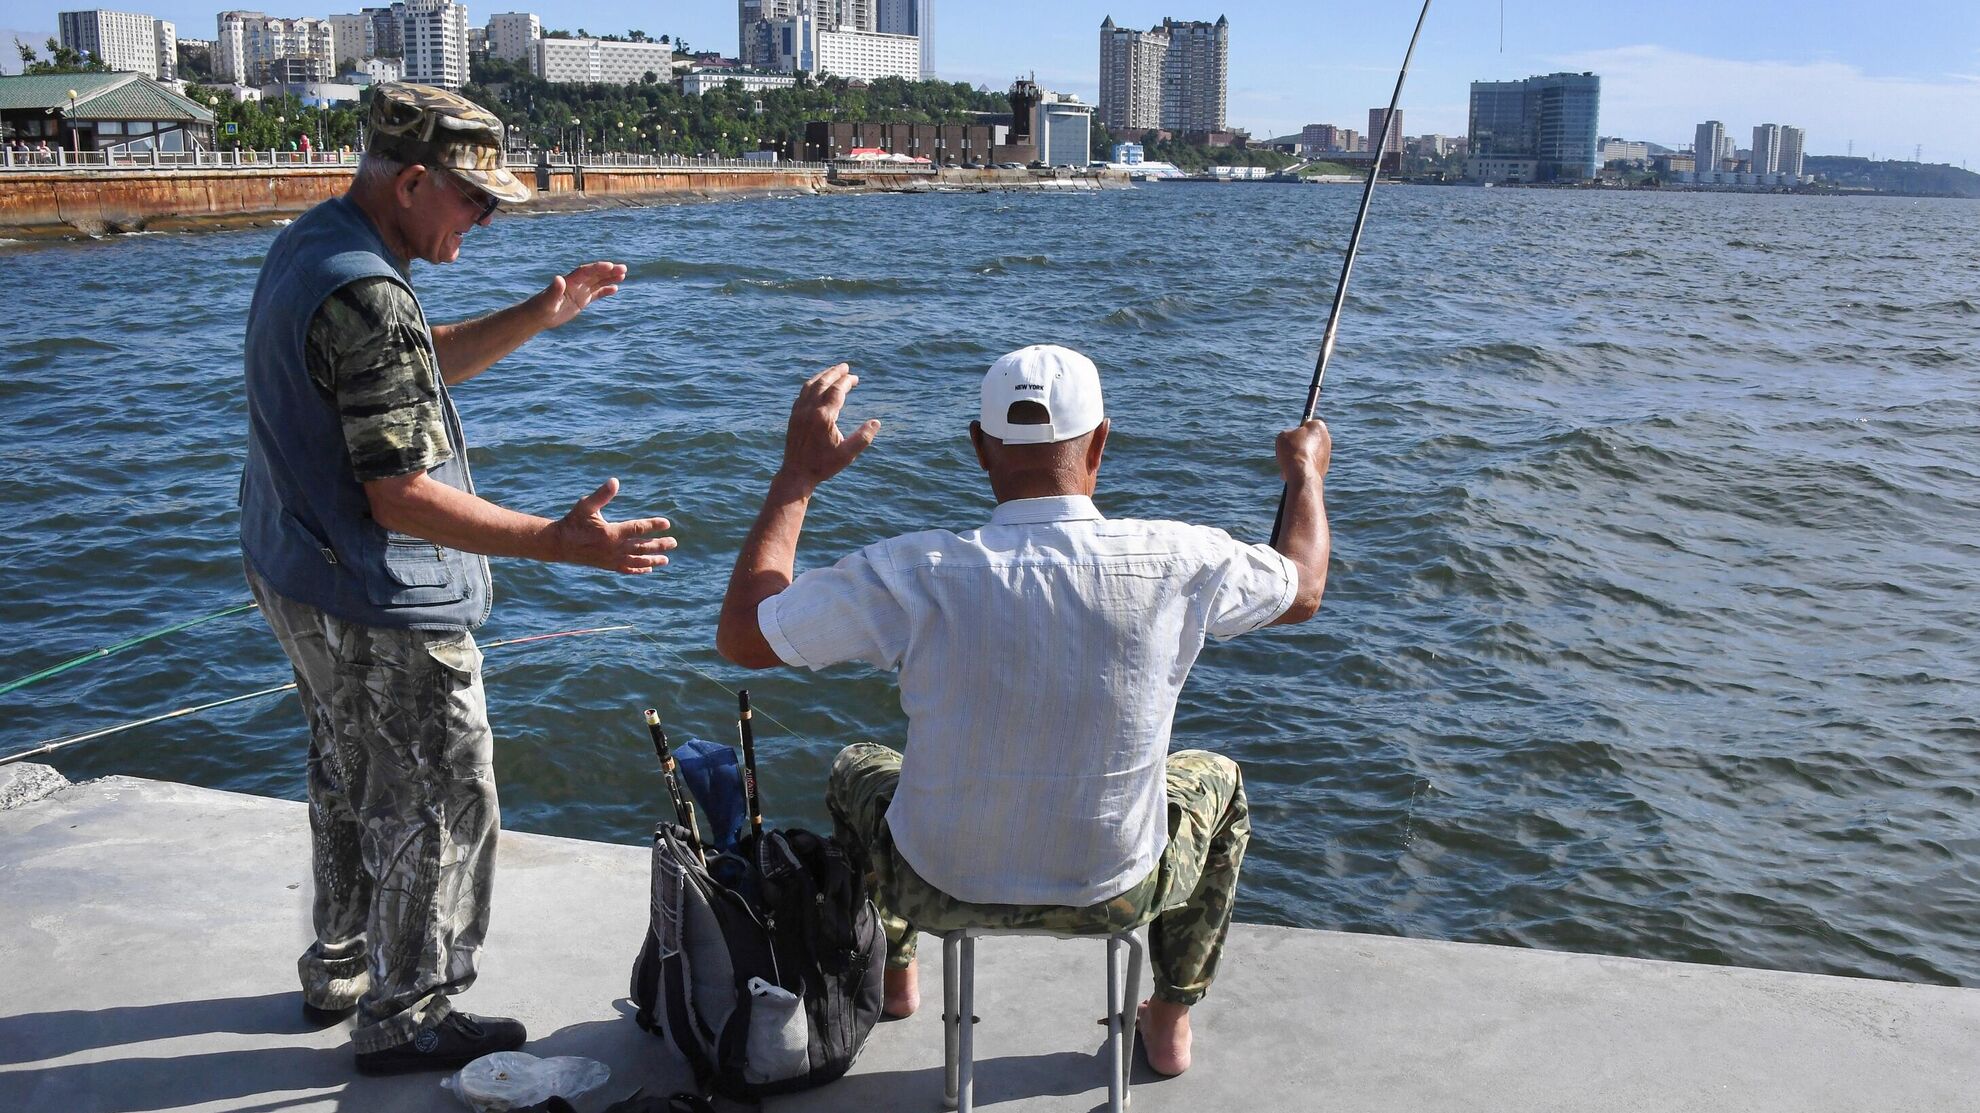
[
  {"x": 1164, "y": 1033},
  {"x": 903, "y": 991}
]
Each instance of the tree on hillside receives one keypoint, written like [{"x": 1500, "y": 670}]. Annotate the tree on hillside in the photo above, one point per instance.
[{"x": 61, "y": 59}]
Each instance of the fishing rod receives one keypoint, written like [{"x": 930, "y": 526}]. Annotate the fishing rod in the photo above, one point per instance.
[
  {"x": 55, "y": 744},
  {"x": 750, "y": 797},
  {"x": 683, "y": 808},
  {"x": 99, "y": 654},
  {"x": 1354, "y": 246}
]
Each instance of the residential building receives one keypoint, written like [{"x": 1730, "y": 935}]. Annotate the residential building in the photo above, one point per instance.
[
  {"x": 911, "y": 17},
  {"x": 512, "y": 36},
  {"x": 1793, "y": 142},
  {"x": 1128, "y": 154},
  {"x": 436, "y": 41},
  {"x": 1708, "y": 138},
  {"x": 1062, "y": 126},
  {"x": 1548, "y": 121},
  {"x": 381, "y": 70},
  {"x": 1376, "y": 117},
  {"x": 1728, "y": 153},
  {"x": 249, "y": 42},
  {"x": 755, "y": 37},
  {"x": 699, "y": 81},
  {"x": 1623, "y": 150},
  {"x": 1131, "y": 77},
  {"x": 124, "y": 41},
  {"x": 1767, "y": 149},
  {"x": 1196, "y": 75},
  {"x": 1317, "y": 138},
  {"x": 867, "y": 54},
  {"x": 352, "y": 37},
  {"x": 477, "y": 42},
  {"x": 1175, "y": 77},
  {"x": 600, "y": 61}
]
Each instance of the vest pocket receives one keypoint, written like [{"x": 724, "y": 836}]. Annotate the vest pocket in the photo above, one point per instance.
[{"x": 418, "y": 572}]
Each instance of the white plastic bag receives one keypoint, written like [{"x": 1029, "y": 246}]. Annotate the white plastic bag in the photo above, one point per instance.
[{"x": 509, "y": 1080}]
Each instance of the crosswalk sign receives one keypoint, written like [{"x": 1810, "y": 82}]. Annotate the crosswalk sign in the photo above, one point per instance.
[{"x": 233, "y": 128}]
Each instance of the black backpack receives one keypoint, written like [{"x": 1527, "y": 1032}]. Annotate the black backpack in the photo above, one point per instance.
[{"x": 762, "y": 965}]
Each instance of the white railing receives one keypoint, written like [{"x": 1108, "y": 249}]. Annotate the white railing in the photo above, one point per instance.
[{"x": 54, "y": 159}]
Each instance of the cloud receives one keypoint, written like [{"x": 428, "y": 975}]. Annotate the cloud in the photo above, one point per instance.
[{"x": 1654, "y": 93}]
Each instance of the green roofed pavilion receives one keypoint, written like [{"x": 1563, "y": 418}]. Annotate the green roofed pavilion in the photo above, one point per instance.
[{"x": 125, "y": 112}]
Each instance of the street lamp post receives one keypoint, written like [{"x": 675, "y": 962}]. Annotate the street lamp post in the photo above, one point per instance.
[{"x": 75, "y": 137}]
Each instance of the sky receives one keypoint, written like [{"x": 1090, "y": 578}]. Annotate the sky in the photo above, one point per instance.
[{"x": 1883, "y": 79}]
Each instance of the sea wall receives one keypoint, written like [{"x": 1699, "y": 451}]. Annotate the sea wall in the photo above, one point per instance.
[{"x": 95, "y": 202}]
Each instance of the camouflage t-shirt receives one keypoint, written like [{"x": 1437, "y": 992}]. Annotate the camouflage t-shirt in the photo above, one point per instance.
[{"x": 367, "y": 353}]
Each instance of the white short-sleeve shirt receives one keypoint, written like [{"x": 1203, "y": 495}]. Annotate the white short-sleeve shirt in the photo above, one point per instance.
[{"x": 1040, "y": 658}]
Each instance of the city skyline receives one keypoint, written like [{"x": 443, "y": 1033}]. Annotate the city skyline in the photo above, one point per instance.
[{"x": 1840, "y": 72}]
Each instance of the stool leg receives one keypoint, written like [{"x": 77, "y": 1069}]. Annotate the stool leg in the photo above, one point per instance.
[
  {"x": 966, "y": 1025},
  {"x": 1135, "y": 954},
  {"x": 951, "y": 961},
  {"x": 1115, "y": 1098}
]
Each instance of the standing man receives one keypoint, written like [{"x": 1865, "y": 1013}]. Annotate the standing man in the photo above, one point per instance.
[
  {"x": 367, "y": 548},
  {"x": 1040, "y": 657}
]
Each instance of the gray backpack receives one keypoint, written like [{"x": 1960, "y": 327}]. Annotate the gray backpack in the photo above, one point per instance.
[{"x": 762, "y": 965}]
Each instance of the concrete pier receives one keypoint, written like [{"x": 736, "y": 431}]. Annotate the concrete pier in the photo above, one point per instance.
[{"x": 149, "y": 932}]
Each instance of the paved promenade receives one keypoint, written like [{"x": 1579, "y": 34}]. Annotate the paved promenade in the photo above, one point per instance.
[{"x": 149, "y": 933}]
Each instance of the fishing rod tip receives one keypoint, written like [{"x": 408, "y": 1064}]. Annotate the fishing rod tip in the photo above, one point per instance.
[{"x": 742, "y": 700}]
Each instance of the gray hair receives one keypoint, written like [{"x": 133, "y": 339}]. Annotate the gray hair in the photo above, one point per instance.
[{"x": 377, "y": 171}]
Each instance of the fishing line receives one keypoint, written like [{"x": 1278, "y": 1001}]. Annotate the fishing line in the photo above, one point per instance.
[
  {"x": 691, "y": 667},
  {"x": 54, "y": 744},
  {"x": 1354, "y": 246},
  {"x": 99, "y": 654}
]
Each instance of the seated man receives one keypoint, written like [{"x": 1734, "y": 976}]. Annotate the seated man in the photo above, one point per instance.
[{"x": 1040, "y": 657}]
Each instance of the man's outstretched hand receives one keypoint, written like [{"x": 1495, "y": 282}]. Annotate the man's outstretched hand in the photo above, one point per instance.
[
  {"x": 814, "y": 449},
  {"x": 568, "y": 294},
  {"x": 585, "y": 537}
]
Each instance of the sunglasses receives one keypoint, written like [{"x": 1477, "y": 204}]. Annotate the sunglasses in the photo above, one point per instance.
[{"x": 478, "y": 199}]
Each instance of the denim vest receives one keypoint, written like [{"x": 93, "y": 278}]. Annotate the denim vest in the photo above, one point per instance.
[{"x": 306, "y": 525}]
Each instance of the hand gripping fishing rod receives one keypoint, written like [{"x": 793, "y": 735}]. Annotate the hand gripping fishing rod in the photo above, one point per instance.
[
  {"x": 683, "y": 808},
  {"x": 1354, "y": 245},
  {"x": 750, "y": 798}
]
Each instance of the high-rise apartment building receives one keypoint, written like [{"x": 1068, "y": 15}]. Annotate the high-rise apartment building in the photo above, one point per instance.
[
  {"x": 1709, "y": 138},
  {"x": 512, "y": 36},
  {"x": 1540, "y": 129},
  {"x": 755, "y": 38},
  {"x": 1196, "y": 75},
  {"x": 911, "y": 17},
  {"x": 1175, "y": 76},
  {"x": 123, "y": 41},
  {"x": 597, "y": 61},
  {"x": 1131, "y": 77},
  {"x": 1767, "y": 149},
  {"x": 352, "y": 38},
  {"x": 250, "y": 42},
  {"x": 436, "y": 41},
  {"x": 1793, "y": 142},
  {"x": 1376, "y": 116}
]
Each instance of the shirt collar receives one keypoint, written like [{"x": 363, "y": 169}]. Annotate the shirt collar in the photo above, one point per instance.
[{"x": 1039, "y": 511}]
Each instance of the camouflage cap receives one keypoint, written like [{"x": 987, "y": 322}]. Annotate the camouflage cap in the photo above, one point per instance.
[{"x": 441, "y": 128}]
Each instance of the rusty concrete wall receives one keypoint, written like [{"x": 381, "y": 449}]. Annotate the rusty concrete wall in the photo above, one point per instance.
[{"x": 95, "y": 202}]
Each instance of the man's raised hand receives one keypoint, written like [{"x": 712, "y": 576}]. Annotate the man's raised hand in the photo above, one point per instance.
[
  {"x": 814, "y": 449},
  {"x": 585, "y": 537},
  {"x": 568, "y": 294}
]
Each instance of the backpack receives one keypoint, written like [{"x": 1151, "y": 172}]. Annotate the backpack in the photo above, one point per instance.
[{"x": 762, "y": 964}]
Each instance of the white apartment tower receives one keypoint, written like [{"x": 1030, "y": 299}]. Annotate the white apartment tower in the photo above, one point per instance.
[
  {"x": 1793, "y": 142},
  {"x": 123, "y": 41},
  {"x": 597, "y": 61},
  {"x": 911, "y": 17},
  {"x": 435, "y": 34},
  {"x": 1706, "y": 144},
  {"x": 249, "y": 42},
  {"x": 512, "y": 36},
  {"x": 1767, "y": 149}
]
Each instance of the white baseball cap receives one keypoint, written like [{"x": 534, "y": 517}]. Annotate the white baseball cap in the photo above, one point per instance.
[{"x": 1059, "y": 379}]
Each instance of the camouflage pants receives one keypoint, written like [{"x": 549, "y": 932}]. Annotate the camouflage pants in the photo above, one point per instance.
[
  {"x": 1186, "y": 901},
  {"x": 402, "y": 815}
]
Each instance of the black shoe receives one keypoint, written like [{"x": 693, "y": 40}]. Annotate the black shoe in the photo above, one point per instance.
[
  {"x": 324, "y": 1018},
  {"x": 455, "y": 1042}
]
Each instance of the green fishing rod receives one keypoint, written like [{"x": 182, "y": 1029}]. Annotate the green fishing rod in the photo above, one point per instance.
[
  {"x": 1354, "y": 246},
  {"x": 99, "y": 654}
]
